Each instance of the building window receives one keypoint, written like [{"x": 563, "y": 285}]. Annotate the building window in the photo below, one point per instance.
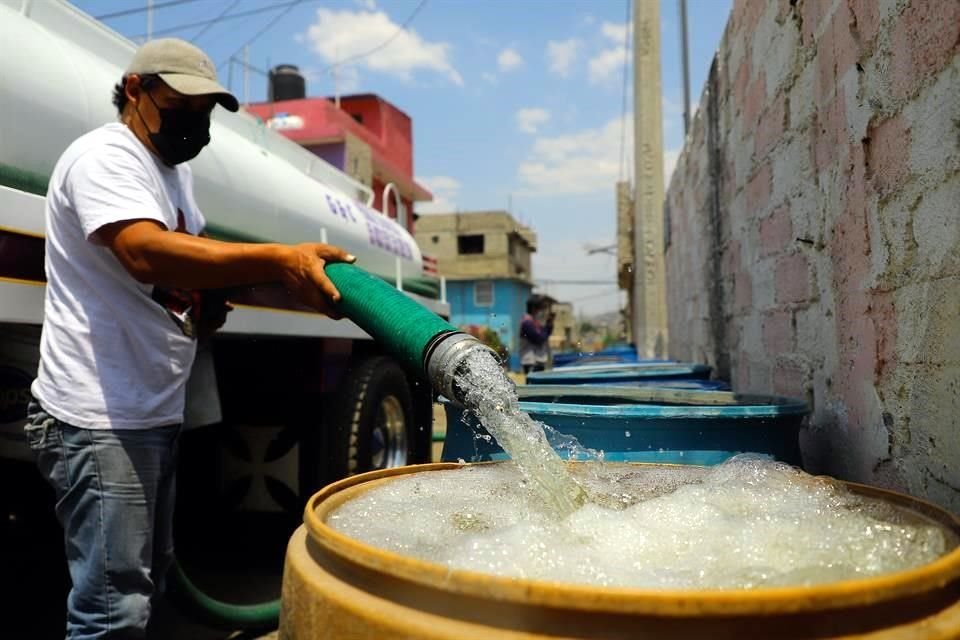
[
  {"x": 358, "y": 117},
  {"x": 435, "y": 239},
  {"x": 483, "y": 293},
  {"x": 472, "y": 244}
]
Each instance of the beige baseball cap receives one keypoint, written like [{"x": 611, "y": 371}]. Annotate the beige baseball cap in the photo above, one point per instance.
[{"x": 184, "y": 67}]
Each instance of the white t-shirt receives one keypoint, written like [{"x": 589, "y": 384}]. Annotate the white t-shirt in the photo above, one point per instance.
[{"x": 111, "y": 357}]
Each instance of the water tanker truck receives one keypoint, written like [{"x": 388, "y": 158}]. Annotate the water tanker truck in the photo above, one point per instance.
[{"x": 282, "y": 400}]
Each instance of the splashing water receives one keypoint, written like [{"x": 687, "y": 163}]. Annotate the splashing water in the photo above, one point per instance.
[{"x": 490, "y": 394}]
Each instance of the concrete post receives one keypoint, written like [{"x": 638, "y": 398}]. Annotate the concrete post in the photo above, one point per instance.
[{"x": 649, "y": 317}]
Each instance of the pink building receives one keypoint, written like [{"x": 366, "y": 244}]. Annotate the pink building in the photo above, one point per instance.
[{"x": 366, "y": 137}]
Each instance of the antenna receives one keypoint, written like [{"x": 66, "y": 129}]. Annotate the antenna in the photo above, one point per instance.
[
  {"x": 149, "y": 20},
  {"x": 335, "y": 72},
  {"x": 246, "y": 75}
]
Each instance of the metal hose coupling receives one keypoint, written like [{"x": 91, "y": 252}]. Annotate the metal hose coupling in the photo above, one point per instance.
[{"x": 444, "y": 360}]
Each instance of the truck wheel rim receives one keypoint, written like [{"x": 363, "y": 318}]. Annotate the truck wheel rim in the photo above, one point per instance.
[{"x": 389, "y": 446}]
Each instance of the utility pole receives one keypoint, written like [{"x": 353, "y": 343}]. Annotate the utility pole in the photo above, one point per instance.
[
  {"x": 649, "y": 302},
  {"x": 685, "y": 65}
]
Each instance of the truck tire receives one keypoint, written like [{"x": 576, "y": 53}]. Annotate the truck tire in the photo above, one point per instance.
[{"x": 372, "y": 421}]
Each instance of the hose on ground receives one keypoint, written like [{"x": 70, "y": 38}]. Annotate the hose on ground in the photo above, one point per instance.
[{"x": 403, "y": 327}]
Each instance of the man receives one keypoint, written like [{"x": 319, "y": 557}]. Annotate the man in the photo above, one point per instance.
[
  {"x": 126, "y": 271},
  {"x": 535, "y": 330}
]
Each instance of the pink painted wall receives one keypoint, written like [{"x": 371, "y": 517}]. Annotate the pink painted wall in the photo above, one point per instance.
[{"x": 815, "y": 230}]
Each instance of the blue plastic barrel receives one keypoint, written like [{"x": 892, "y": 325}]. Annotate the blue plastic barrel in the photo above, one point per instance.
[
  {"x": 624, "y": 372},
  {"x": 645, "y": 424},
  {"x": 613, "y": 353},
  {"x": 590, "y": 358},
  {"x": 690, "y": 385},
  {"x": 625, "y": 375}
]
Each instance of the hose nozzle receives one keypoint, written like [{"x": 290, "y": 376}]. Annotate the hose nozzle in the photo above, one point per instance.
[{"x": 445, "y": 358}]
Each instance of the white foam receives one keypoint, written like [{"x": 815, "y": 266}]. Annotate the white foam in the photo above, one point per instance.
[{"x": 746, "y": 523}]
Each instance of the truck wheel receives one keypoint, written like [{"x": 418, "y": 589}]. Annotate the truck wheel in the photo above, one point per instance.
[{"x": 373, "y": 420}]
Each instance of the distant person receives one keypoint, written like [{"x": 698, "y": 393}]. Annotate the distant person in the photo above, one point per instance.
[
  {"x": 535, "y": 330},
  {"x": 129, "y": 282}
]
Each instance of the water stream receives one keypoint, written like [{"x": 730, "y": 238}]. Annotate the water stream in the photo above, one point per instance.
[{"x": 491, "y": 396}]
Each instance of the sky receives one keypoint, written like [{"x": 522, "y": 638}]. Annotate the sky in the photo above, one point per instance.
[{"x": 516, "y": 104}]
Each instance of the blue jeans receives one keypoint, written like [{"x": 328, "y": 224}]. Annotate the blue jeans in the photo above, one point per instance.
[{"x": 115, "y": 498}]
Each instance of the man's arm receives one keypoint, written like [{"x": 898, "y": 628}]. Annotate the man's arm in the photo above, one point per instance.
[{"x": 154, "y": 255}]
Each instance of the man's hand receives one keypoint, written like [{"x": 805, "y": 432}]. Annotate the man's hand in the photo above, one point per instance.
[{"x": 304, "y": 278}]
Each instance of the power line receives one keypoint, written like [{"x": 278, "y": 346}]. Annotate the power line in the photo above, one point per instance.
[
  {"x": 601, "y": 294},
  {"x": 623, "y": 113},
  {"x": 262, "y": 31},
  {"x": 130, "y": 12},
  {"x": 383, "y": 44},
  {"x": 220, "y": 17},
  {"x": 232, "y": 16},
  {"x": 585, "y": 282}
]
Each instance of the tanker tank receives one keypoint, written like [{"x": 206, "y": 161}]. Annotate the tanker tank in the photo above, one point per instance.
[{"x": 252, "y": 184}]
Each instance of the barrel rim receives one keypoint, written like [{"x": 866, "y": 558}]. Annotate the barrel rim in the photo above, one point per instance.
[
  {"x": 664, "y": 402},
  {"x": 613, "y": 366},
  {"x": 626, "y": 411},
  {"x": 609, "y": 371},
  {"x": 660, "y": 402},
  {"x": 666, "y": 602}
]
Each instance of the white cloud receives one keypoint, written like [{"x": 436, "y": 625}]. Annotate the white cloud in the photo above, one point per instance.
[
  {"x": 530, "y": 118},
  {"x": 339, "y": 35},
  {"x": 508, "y": 60},
  {"x": 582, "y": 162},
  {"x": 586, "y": 161},
  {"x": 615, "y": 31},
  {"x": 562, "y": 54},
  {"x": 607, "y": 65},
  {"x": 445, "y": 191}
]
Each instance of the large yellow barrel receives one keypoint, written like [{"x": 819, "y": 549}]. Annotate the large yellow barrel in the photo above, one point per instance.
[{"x": 337, "y": 588}]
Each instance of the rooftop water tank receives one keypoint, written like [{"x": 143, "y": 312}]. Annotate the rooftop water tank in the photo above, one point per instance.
[{"x": 286, "y": 83}]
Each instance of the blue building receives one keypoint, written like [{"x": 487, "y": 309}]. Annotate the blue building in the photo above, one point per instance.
[
  {"x": 485, "y": 257},
  {"x": 497, "y": 304}
]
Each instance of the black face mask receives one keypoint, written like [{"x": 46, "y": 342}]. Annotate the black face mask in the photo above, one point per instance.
[{"x": 182, "y": 134}]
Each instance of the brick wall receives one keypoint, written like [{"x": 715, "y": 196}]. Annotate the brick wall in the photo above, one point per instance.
[{"x": 815, "y": 230}]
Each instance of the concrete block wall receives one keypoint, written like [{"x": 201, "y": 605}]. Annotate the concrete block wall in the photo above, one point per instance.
[{"x": 814, "y": 240}]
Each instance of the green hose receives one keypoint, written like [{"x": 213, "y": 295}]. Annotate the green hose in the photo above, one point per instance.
[
  {"x": 426, "y": 287},
  {"x": 405, "y": 328},
  {"x": 402, "y": 325},
  {"x": 264, "y": 615}
]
